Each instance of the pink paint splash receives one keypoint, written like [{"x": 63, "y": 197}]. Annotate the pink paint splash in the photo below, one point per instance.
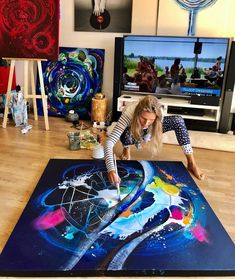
[
  {"x": 49, "y": 220},
  {"x": 200, "y": 233},
  {"x": 177, "y": 214}
]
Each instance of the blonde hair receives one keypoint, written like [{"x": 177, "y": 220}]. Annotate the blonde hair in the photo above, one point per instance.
[{"x": 149, "y": 104}]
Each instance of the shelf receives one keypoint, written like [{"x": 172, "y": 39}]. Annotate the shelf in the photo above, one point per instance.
[
  {"x": 199, "y": 112},
  {"x": 204, "y": 117},
  {"x": 185, "y": 103}
]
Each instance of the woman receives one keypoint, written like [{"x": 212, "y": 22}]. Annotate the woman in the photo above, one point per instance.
[{"x": 141, "y": 123}]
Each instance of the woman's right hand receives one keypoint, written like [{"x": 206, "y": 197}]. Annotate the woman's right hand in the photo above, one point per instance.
[{"x": 113, "y": 177}]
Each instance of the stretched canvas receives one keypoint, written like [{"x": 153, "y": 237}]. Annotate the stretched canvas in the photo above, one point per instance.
[
  {"x": 72, "y": 81},
  {"x": 103, "y": 16},
  {"x": 74, "y": 224},
  {"x": 29, "y": 29},
  {"x": 190, "y": 18}
]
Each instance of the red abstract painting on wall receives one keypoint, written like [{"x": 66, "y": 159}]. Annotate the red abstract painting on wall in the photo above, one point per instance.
[{"x": 29, "y": 29}]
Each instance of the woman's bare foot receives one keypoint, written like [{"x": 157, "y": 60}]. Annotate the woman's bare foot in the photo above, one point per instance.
[
  {"x": 195, "y": 170},
  {"x": 126, "y": 153}
]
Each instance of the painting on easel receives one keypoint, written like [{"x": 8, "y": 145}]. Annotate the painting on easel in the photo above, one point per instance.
[
  {"x": 29, "y": 29},
  {"x": 72, "y": 81},
  {"x": 75, "y": 225}
]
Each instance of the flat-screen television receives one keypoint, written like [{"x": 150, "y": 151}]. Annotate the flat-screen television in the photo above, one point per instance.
[{"x": 174, "y": 66}]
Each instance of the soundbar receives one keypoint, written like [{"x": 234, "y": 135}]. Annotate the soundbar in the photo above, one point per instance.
[{"x": 185, "y": 111}]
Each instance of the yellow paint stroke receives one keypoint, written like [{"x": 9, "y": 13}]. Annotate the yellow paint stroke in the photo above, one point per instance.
[
  {"x": 168, "y": 188},
  {"x": 187, "y": 220},
  {"x": 180, "y": 184}
]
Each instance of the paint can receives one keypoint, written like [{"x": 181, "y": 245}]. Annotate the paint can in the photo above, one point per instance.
[
  {"x": 98, "y": 152},
  {"x": 74, "y": 141}
]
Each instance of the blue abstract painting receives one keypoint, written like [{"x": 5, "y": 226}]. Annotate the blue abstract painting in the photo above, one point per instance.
[
  {"x": 72, "y": 81},
  {"x": 74, "y": 224}
]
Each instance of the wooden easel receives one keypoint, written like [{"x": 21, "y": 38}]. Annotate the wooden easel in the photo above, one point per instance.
[{"x": 28, "y": 71}]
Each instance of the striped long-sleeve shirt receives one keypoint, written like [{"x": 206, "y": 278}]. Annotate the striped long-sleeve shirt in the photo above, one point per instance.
[{"x": 174, "y": 122}]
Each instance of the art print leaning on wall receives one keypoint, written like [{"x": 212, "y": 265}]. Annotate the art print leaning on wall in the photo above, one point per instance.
[{"x": 103, "y": 15}]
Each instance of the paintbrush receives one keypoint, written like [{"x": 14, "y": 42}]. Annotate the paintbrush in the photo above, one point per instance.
[
  {"x": 117, "y": 183},
  {"x": 81, "y": 128}
]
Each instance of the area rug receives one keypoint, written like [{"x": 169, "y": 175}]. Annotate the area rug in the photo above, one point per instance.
[
  {"x": 200, "y": 139},
  {"x": 207, "y": 140},
  {"x": 75, "y": 225}
]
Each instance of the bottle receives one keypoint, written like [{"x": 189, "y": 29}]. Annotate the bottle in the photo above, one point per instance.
[{"x": 71, "y": 116}]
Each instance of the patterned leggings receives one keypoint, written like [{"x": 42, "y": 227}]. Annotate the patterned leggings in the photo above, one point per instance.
[{"x": 173, "y": 122}]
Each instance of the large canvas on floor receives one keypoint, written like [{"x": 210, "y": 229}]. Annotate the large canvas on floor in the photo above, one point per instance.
[
  {"x": 72, "y": 81},
  {"x": 74, "y": 225},
  {"x": 29, "y": 29}
]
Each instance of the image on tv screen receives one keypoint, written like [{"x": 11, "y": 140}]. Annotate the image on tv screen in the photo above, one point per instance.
[{"x": 174, "y": 65}]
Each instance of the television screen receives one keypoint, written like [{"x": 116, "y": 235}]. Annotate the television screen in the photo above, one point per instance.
[{"x": 178, "y": 66}]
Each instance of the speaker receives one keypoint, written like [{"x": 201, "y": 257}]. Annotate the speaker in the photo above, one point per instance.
[
  {"x": 117, "y": 76},
  {"x": 197, "y": 48},
  {"x": 205, "y": 100},
  {"x": 201, "y": 125},
  {"x": 233, "y": 124},
  {"x": 228, "y": 93}
]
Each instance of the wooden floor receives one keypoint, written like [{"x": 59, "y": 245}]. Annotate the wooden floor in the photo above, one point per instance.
[{"x": 24, "y": 157}]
